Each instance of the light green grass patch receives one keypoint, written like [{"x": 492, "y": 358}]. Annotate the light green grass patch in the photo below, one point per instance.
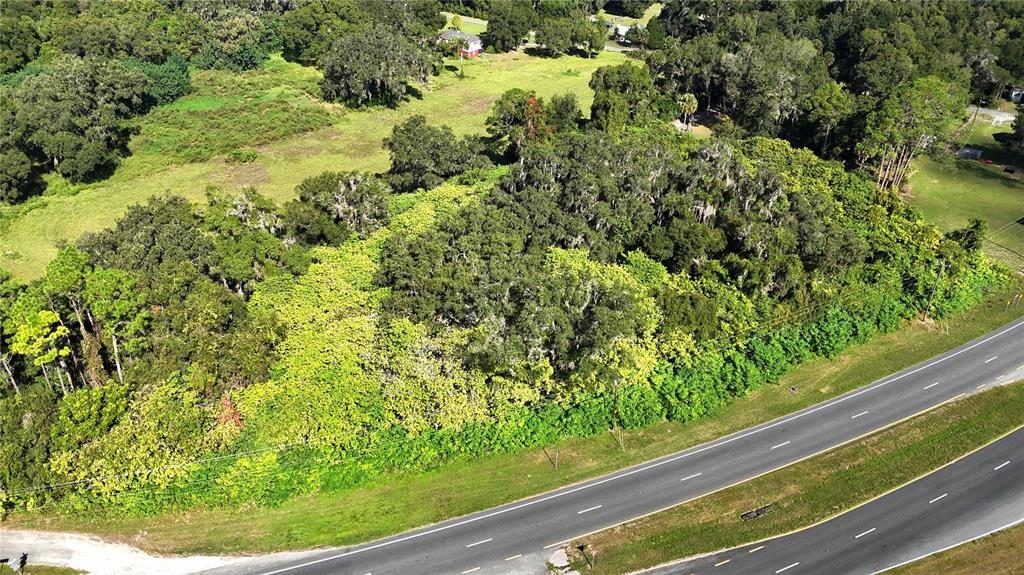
[
  {"x": 652, "y": 11},
  {"x": 351, "y": 142},
  {"x": 951, "y": 193},
  {"x": 470, "y": 25}
]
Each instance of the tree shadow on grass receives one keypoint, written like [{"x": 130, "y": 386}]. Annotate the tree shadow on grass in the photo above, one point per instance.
[{"x": 982, "y": 171}]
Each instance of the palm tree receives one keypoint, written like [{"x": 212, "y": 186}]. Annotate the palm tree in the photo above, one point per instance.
[{"x": 688, "y": 107}]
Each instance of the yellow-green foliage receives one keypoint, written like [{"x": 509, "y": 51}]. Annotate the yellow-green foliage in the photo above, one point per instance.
[
  {"x": 628, "y": 360},
  {"x": 153, "y": 443},
  {"x": 340, "y": 371}
]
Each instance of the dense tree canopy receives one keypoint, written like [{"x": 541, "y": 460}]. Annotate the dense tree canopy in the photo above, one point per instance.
[
  {"x": 611, "y": 272},
  {"x": 72, "y": 115},
  {"x": 373, "y": 66}
]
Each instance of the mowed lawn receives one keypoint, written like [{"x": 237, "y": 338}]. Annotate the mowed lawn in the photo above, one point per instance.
[
  {"x": 951, "y": 193},
  {"x": 220, "y": 116}
]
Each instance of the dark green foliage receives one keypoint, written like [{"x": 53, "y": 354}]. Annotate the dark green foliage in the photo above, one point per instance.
[
  {"x": 163, "y": 231},
  {"x": 246, "y": 246},
  {"x": 623, "y": 95},
  {"x": 555, "y": 34},
  {"x": 1014, "y": 141},
  {"x": 507, "y": 25},
  {"x": 19, "y": 41},
  {"x": 518, "y": 117},
  {"x": 25, "y": 421},
  {"x": 72, "y": 115},
  {"x": 762, "y": 63},
  {"x": 18, "y": 175},
  {"x": 308, "y": 31},
  {"x": 353, "y": 202},
  {"x": 168, "y": 81},
  {"x": 423, "y": 156},
  {"x": 373, "y": 66},
  {"x": 631, "y": 8},
  {"x": 234, "y": 39}
]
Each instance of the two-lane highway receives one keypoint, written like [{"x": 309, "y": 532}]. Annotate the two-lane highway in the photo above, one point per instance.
[
  {"x": 969, "y": 498},
  {"x": 519, "y": 537}
]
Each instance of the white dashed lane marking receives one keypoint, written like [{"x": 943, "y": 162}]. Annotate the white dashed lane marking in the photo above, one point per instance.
[{"x": 783, "y": 444}]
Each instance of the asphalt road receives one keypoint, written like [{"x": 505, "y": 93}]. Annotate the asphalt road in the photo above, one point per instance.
[
  {"x": 974, "y": 496},
  {"x": 517, "y": 538}
]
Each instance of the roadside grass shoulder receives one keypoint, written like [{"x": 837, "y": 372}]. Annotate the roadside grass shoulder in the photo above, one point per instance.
[
  {"x": 39, "y": 570},
  {"x": 812, "y": 490},
  {"x": 411, "y": 501},
  {"x": 180, "y": 148},
  {"x": 1001, "y": 553}
]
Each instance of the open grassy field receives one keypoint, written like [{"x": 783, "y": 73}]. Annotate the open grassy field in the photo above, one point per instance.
[
  {"x": 815, "y": 489},
  {"x": 180, "y": 148},
  {"x": 1001, "y": 553},
  {"x": 652, "y": 11},
  {"x": 402, "y": 503},
  {"x": 470, "y": 25},
  {"x": 951, "y": 193}
]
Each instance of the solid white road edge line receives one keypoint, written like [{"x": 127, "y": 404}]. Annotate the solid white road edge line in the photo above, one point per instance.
[
  {"x": 948, "y": 547},
  {"x": 646, "y": 467}
]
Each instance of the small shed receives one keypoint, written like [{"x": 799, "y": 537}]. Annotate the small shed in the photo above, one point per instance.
[{"x": 473, "y": 43}]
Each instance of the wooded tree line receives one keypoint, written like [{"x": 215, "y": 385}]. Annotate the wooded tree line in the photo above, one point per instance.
[
  {"x": 873, "y": 83},
  {"x": 608, "y": 272}
]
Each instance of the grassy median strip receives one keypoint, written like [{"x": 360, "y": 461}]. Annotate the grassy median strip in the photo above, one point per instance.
[
  {"x": 460, "y": 488},
  {"x": 1001, "y": 553},
  {"x": 815, "y": 489}
]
